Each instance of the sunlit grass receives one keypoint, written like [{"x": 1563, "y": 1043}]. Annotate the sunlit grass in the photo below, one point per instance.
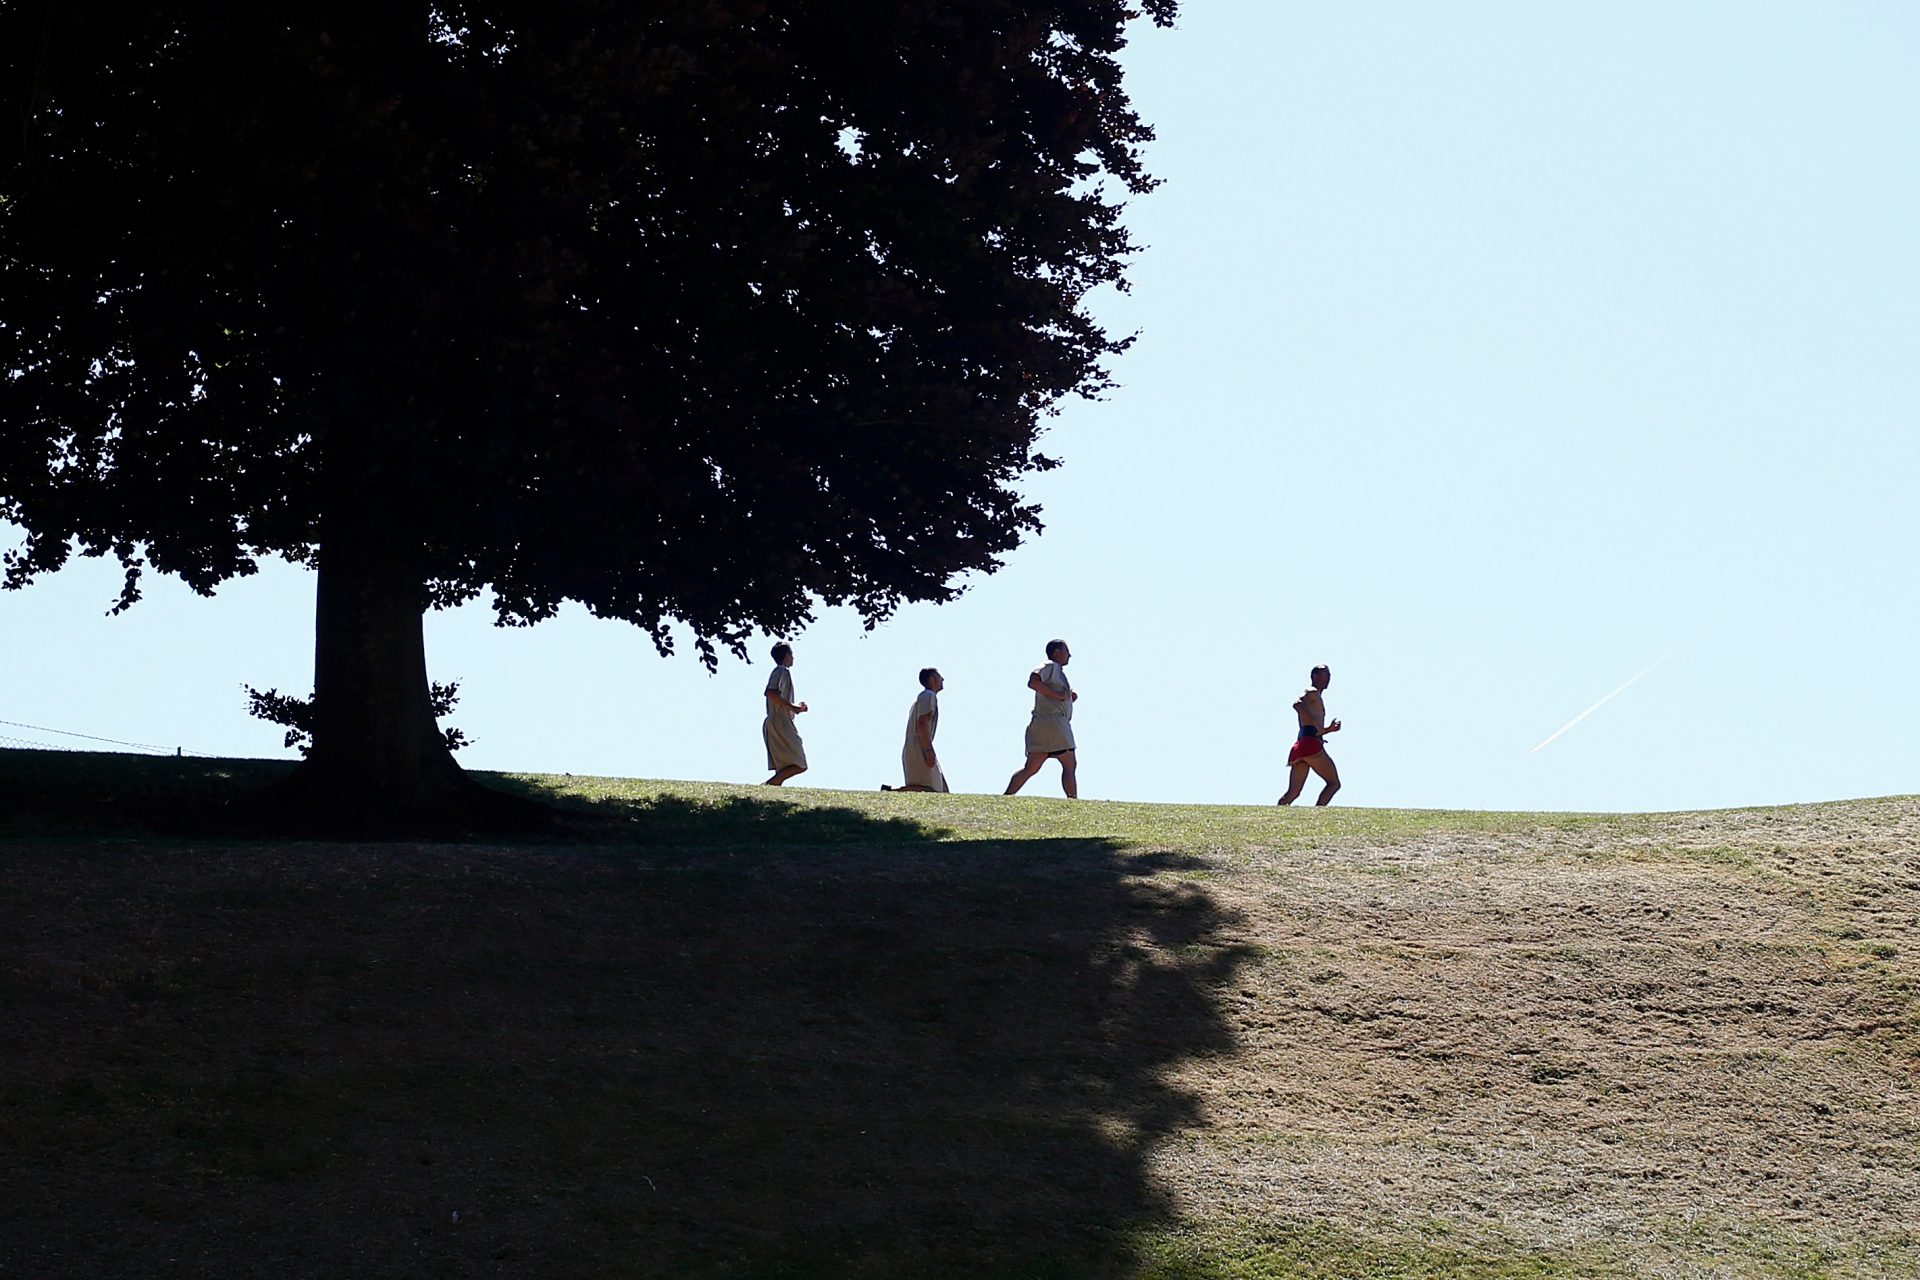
[{"x": 1173, "y": 827}]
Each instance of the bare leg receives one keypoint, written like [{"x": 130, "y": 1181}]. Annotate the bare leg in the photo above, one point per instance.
[
  {"x": 1322, "y": 764},
  {"x": 1297, "y": 780},
  {"x": 1068, "y": 781},
  {"x": 784, "y": 772},
  {"x": 1034, "y": 760}
]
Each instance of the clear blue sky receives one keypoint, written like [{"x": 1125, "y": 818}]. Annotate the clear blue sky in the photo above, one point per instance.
[{"x": 1488, "y": 353}]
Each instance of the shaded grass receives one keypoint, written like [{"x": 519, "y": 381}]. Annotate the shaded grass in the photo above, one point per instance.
[
  {"x": 98, "y": 794},
  {"x": 780, "y": 1038}
]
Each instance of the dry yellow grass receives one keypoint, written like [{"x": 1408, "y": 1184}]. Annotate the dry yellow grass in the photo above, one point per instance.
[{"x": 1687, "y": 1043}]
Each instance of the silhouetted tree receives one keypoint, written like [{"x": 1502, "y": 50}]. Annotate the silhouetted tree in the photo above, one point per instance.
[{"x": 692, "y": 310}]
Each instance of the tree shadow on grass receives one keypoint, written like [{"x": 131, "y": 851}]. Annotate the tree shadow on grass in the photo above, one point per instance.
[
  {"x": 897, "y": 1057},
  {"x": 60, "y": 794},
  {"x": 98, "y": 793}
]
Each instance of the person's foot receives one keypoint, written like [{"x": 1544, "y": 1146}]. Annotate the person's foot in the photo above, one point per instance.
[{"x": 885, "y": 787}]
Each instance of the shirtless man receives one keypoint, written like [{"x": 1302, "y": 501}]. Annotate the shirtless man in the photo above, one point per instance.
[
  {"x": 917, "y": 758},
  {"x": 1050, "y": 732},
  {"x": 786, "y": 754},
  {"x": 1309, "y": 751}
]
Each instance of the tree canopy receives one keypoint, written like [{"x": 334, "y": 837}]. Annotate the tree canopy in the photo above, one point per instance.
[{"x": 694, "y": 310}]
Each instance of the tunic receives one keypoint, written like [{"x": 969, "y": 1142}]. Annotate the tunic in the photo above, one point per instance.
[
  {"x": 912, "y": 760},
  {"x": 783, "y": 740},
  {"x": 1051, "y": 729}
]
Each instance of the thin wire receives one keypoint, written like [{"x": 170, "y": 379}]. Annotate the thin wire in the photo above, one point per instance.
[
  {"x": 150, "y": 746},
  {"x": 33, "y": 744}
]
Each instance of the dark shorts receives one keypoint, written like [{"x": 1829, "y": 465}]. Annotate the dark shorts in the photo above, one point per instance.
[
  {"x": 1305, "y": 749},
  {"x": 1055, "y": 755}
]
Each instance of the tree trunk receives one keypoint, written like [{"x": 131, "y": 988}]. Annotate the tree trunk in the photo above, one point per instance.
[
  {"x": 379, "y": 763},
  {"x": 373, "y": 728}
]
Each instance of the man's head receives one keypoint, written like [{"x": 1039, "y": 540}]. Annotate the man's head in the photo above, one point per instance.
[
  {"x": 930, "y": 678},
  {"x": 783, "y": 654},
  {"x": 1320, "y": 676},
  {"x": 1057, "y": 651}
]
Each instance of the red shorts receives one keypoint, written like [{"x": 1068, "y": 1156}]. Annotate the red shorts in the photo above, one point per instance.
[{"x": 1304, "y": 749}]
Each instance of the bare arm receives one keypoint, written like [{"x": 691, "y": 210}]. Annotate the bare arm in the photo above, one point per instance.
[
  {"x": 1039, "y": 686},
  {"x": 774, "y": 698},
  {"x": 924, "y": 728}
]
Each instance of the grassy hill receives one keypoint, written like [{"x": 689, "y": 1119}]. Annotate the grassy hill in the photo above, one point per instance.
[{"x": 722, "y": 1031}]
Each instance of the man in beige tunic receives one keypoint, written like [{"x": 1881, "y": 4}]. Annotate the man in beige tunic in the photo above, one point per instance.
[
  {"x": 917, "y": 758},
  {"x": 1050, "y": 731},
  {"x": 786, "y": 755}
]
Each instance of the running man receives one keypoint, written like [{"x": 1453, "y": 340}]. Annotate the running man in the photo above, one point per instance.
[
  {"x": 1050, "y": 732},
  {"x": 917, "y": 758},
  {"x": 1310, "y": 751},
  {"x": 786, "y": 754}
]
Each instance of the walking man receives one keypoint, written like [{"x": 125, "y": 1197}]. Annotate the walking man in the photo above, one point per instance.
[
  {"x": 1309, "y": 749},
  {"x": 917, "y": 758},
  {"x": 786, "y": 755},
  {"x": 1050, "y": 732}
]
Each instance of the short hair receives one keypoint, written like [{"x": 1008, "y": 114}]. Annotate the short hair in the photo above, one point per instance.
[
  {"x": 926, "y": 674},
  {"x": 782, "y": 650},
  {"x": 1055, "y": 644},
  {"x": 1317, "y": 670}
]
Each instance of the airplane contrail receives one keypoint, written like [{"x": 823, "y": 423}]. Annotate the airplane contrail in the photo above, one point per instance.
[{"x": 1610, "y": 697}]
